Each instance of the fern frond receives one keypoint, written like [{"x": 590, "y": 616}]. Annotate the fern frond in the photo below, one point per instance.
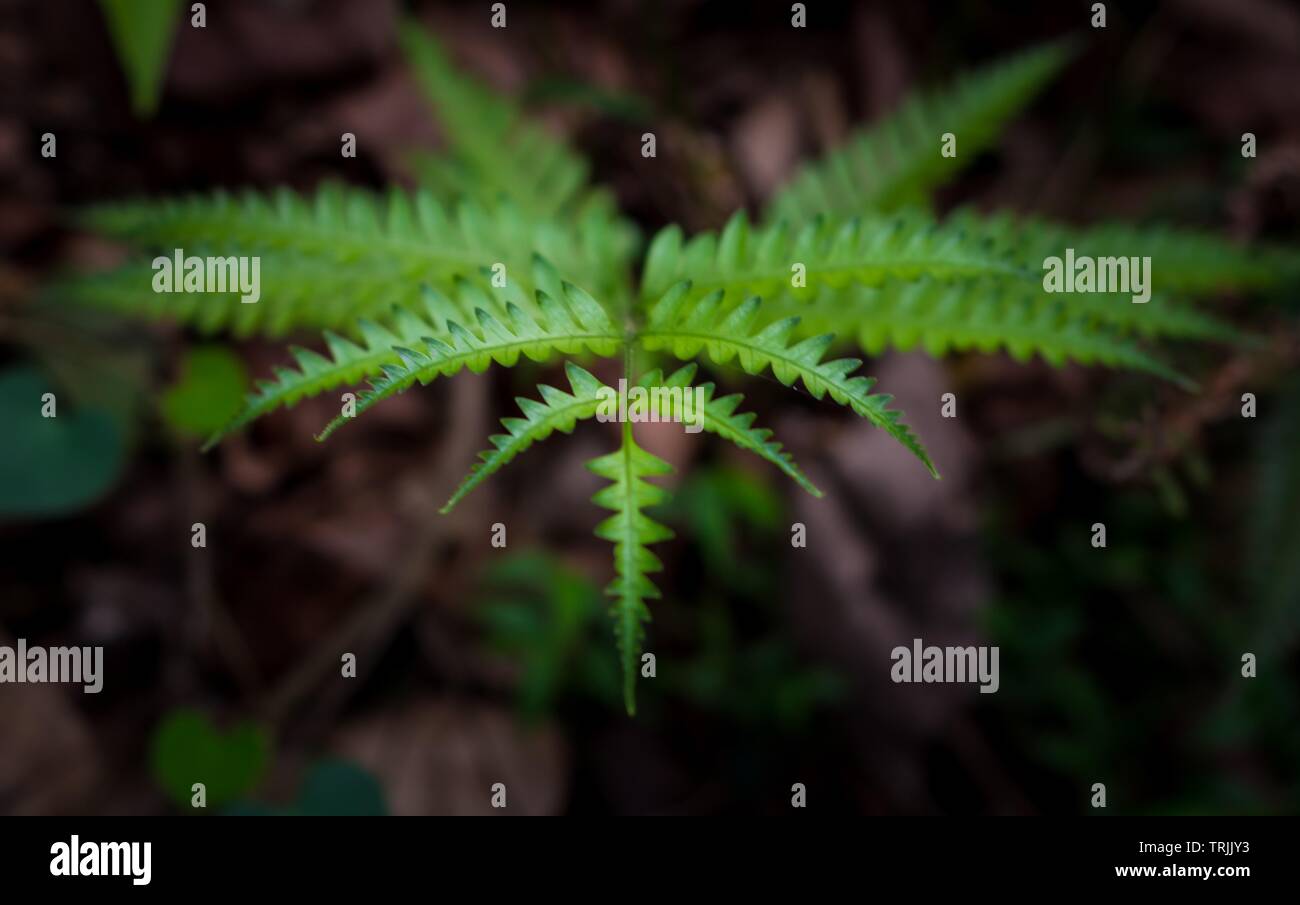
[
  {"x": 986, "y": 316},
  {"x": 335, "y": 256},
  {"x": 558, "y": 410},
  {"x": 685, "y": 330},
  {"x": 898, "y": 161},
  {"x": 571, "y": 327},
  {"x": 348, "y": 362},
  {"x": 1183, "y": 260},
  {"x": 297, "y": 293},
  {"x": 864, "y": 251},
  {"x": 1163, "y": 317},
  {"x": 495, "y": 150},
  {"x": 497, "y": 153},
  {"x": 720, "y": 418},
  {"x": 631, "y": 531}
]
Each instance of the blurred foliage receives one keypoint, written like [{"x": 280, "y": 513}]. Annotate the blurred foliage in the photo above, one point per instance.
[
  {"x": 333, "y": 788},
  {"x": 1129, "y": 658},
  {"x": 142, "y": 32},
  {"x": 209, "y": 392},
  {"x": 551, "y": 619},
  {"x": 187, "y": 749},
  {"x": 548, "y": 617},
  {"x": 624, "y": 105},
  {"x": 711, "y": 504},
  {"x": 99, "y": 360},
  {"x": 1274, "y": 525},
  {"x": 56, "y": 465}
]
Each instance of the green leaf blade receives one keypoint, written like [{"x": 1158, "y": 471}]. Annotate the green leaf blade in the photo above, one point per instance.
[{"x": 631, "y": 531}]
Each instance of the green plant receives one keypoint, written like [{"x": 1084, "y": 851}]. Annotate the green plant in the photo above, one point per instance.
[
  {"x": 187, "y": 749},
  {"x": 545, "y": 616},
  {"x": 142, "y": 32},
  {"x": 331, "y": 788},
  {"x": 506, "y": 251},
  {"x": 56, "y": 464}
]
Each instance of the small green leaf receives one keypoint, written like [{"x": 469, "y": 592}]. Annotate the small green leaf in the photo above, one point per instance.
[
  {"x": 52, "y": 466},
  {"x": 187, "y": 749},
  {"x": 208, "y": 394},
  {"x": 142, "y": 33}
]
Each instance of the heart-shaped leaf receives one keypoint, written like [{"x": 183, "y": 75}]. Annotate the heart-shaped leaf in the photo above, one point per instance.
[
  {"x": 52, "y": 466},
  {"x": 188, "y": 749},
  {"x": 209, "y": 393}
]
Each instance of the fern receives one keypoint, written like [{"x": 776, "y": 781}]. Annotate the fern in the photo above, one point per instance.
[
  {"x": 720, "y": 418},
  {"x": 348, "y": 362},
  {"x": 774, "y": 260},
  {"x": 631, "y": 531},
  {"x": 729, "y": 334},
  {"x": 988, "y": 316},
  {"x": 896, "y": 162},
  {"x": 338, "y": 255},
  {"x": 494, "y": 149},
  {"x": 561, "y": 411},
  {"x": 1182, "y": 260},
  {"x": 581, "y": 325},
  {"x": 558, "y": 410},
  {"x": 496, "y": 153},
  {"x": 407, "y": 288}
]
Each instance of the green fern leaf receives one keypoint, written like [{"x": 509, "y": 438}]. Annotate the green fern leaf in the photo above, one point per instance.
[
  {"x": 1183, "y": 260},
  {"x": 558, "y": 410},
  {"x": 296, "y": 293},
  {"x": 685, "y": 330},
  {"x": 336, "y": 256},
  {"x": 580, "y": 325},
  {"x": 863, "y": 251},
  {"x": 898, "y": 161},
  {"x": 496, "y": 154},
  {"x": 495, "y": 150},
  {"x": 348, "y": 362},
  {"x": 720, "y": 418},
  {"x": 142, "y": 33},
  {"x": 631, "y": 531},
  {"x": 985, "y": 316}
]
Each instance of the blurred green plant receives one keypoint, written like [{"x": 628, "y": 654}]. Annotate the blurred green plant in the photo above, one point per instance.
[
  {"x": 546, "y": 615},
  {"x": 1131, "y": 657},
  {"x": 712, "y": 503},
  {"x": 208, "y": 393},
  {"x": 754, "y": 681},
  {"x": 142, "y": 33},
  {"x": 549, "y": 617},
  {"x": 332, "y": 788},
  {"x": 187, "y": 748},
  {"x": 51, "y": 466},
  {"x": 624, "y": 105}
]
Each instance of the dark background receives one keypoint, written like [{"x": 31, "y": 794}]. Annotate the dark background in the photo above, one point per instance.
[{"x": 1119, "y": 666}]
